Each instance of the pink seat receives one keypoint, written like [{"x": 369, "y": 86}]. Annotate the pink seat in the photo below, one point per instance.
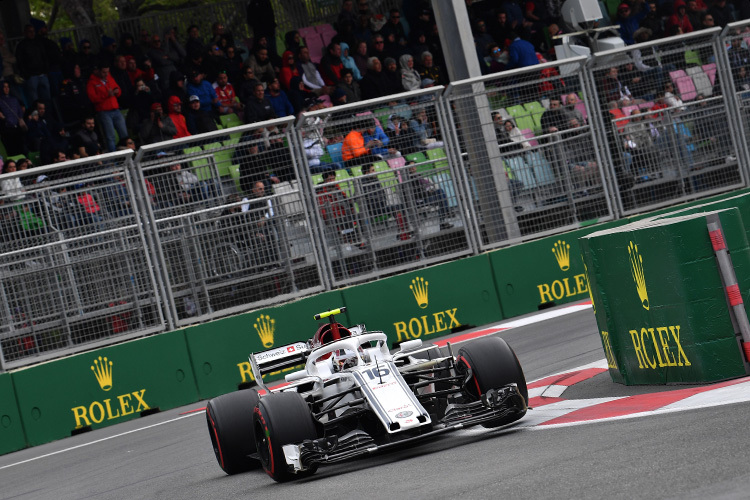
[
  {"x": 710, "y": 70},
  {"x": 684, "y": 84},
  {"x": 528, "y": 134},
  {"x": 316, "y": 46},
  {"x": 395, "y": 163}
]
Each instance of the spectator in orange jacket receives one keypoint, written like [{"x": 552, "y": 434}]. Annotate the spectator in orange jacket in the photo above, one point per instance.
[
  {"x": 354, "y": 151},
  {"x": 103, "y": 92},
  {"x": 175, "y": 114}
]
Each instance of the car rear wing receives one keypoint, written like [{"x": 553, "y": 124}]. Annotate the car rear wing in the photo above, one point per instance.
[{"x": 276, "y": 359}]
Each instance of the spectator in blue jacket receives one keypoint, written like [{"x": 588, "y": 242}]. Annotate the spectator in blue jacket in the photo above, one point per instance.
[
  {"x": 629, "y": 18},
  {"x": 375, "y": 133},
  {"x": 204, "y": 90},
  {"x": 282, "y": 106},
  {"x": 521, "y": 53},
  {"x": 348, "y": 61}
]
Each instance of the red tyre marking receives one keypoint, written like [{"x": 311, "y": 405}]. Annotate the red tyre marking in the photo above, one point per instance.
[
  {"x": 479, "y": 391},
  {"x": 268, "y": 439},
  {"x": 216, "y": 434}
]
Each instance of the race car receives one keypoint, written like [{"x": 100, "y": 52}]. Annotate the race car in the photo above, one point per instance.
[{"x": 354, "y": 397}]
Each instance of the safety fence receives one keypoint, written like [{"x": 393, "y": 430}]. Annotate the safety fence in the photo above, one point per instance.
[{"x": 202, "y": 227}]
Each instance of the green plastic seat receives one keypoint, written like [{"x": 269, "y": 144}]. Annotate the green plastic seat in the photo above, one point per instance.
[
  {"x": 222, "y": 157},
  {"x": 421, "y": 160},
  {"x": 440, "y": 159},
  {"x": 200, "y": 167},
  {"x": 692, "y": 58}
]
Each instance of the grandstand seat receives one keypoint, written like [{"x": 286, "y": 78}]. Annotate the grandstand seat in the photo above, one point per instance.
[
  {"x": 326, "y": 33},
  {"x": 316, "y": 46},
  {"x": 701, "y": 81},
  {"x": 581, "y": 108},
  {"x": 200, "y": 167},
  {"x": 382, "y": 114},
  {"x": 710, "y": 71},
  {"x": 439, "y": 157},
  {"x": 692, "y": 58},
  {"x": 529, "y": 136},
  {"x": 230, "y": 120},
  {"x": 503, "y": 113},
  {"x": 234, "y": 173},
  {"x": 396, "y": 163},
  {"x": 335, "y": 151},
  {"x": 222, "y": 157},
  {"x": 536, "y": 110},
  {"x": 289, "y": 197},
  {"x": 307, "y": 32},
  {"x": 420, "y": 160},
  {"x": 343, "y": 179},
  {"x": 684, "y": 85},
  {"x": 522, "y": 117}
]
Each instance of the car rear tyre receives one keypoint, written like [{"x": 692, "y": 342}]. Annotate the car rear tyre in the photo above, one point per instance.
[
  {"x": 494, "y": 365},
  {"x": 230, "y": 425},
  {"x": 282, "y": 418}
]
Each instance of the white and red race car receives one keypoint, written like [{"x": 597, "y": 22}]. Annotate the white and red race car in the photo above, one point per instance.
[{"x": 355, "y": 397}]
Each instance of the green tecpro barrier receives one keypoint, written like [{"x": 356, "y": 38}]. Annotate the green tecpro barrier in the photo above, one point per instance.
[
  {"x": 659, "y": 301},
  {"x": 427, "y": 303},
  {"x": 740, "y": 201},
  {"x": 542, "y": 273},
  {"x": 104, "y": 387},
  {"x": 219, "y": 350},
  {"x": 11, "y": 429}
]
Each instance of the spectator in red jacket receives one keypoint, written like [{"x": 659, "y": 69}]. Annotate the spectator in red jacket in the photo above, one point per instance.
[
  {"x": 103, "y": 92},
  {"x": 680, "y": 18},
  {"x": 175, "y": 114},
  {"x": 228, "y": 102}
]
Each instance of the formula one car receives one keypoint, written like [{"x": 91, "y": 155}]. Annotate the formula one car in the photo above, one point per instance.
[{"x": 354, "y": 397}]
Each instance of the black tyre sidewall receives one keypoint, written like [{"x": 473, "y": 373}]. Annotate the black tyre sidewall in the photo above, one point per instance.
[
  {"x": 284, "y": 418},
  {"x": 494, "y": 365},
  {"x": 230, "y": 426}
]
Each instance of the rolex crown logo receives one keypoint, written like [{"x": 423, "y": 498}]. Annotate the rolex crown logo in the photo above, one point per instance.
[
  {"x": 636, "y": 268},
  {"x": 102, "y": 369},
  {"x": 265, "y": 327},
  {"x": 562, "y": 254},
  {"x": 419, "y": 289}
]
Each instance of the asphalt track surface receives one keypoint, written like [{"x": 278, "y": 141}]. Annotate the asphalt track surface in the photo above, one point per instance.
[{"x": 694, "y": 453}]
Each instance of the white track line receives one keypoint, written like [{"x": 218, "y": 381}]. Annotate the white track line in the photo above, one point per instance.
[{"x": 98, "y": 441}]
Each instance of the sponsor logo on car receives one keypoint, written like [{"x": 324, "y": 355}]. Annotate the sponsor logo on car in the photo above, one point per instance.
[{"x": 404, "y": 414}]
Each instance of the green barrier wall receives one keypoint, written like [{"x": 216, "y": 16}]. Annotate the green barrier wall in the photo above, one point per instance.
[
  {"x": 219, "y": 350},
  {"x": 104, "y": 387},
  {"x": 429, "y": 302},
  {"x": 542, "y": 273},
  {"x": 12, "y": 437},
  {"x": 203, "y": 361},
  {"x": 659, "y": 301}
]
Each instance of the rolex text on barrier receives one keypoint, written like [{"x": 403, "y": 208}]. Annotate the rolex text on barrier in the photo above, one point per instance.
[
  {"x": 659, "y": 300},
  {"x": 541, "y": 273},
  {"x": 97, "y": 389},
  {"x": 428, "y": 303},
  {"x": 220, "y": 349}
]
